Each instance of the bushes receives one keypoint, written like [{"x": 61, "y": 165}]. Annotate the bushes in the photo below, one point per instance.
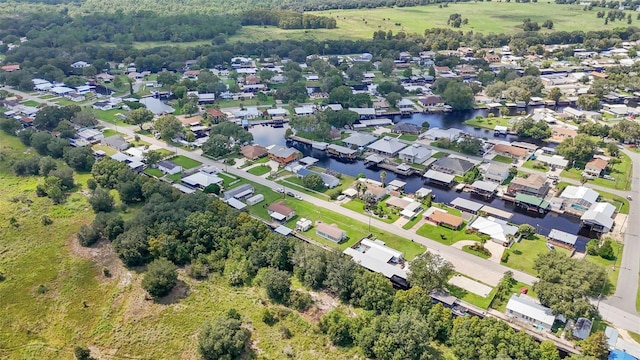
[
  {"x": 160, "y": 278},
  {"x": 505, "y": 257}
]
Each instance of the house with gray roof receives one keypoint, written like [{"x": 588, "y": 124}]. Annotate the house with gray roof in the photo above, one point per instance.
[
  {"x": 452, "y": 165},
  {"x": 329, "y": 181},
  {"x": 415, "y": 154},
  {"x": 387, "y": 146},
  {"x": 359, "y": 139},
  {"x": 562, "y": 238},
  {"x": 115, "y": 141},
  {"x": 437, "y": 133},
  {"x": 599, "y": 217},
  {"x": 524, "y": 308},
  {"x": 375, "y": 256},
  {"x": 239, "y": 192},
  {"x": 169, "y": 167},
  {"x": 156, "y": 106}
]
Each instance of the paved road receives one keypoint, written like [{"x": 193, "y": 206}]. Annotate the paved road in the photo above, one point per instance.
[
  {"x": 627, "y": 289},
  {"x": 618, "y": 309}
]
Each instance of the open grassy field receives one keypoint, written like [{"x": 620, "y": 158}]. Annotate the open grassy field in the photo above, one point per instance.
[
  {"x": 523, "y": 254},
  {"x": 484, "y": 17}
]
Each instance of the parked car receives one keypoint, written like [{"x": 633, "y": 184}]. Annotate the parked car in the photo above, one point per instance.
[
  {"x": 608, "y": 177},
  {"x": 290, "y": 193},
  {"x": 340, "y": 197},
  {"x": 279, "y": 190},
  {"x": 628, "y": 197},
  {"x": 298, "y": 197}
]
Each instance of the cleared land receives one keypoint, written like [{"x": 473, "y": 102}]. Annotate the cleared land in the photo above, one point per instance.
[{"x": 484, "y": 17}]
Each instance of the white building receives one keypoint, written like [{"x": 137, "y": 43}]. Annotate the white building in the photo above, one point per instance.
[{"x": 524, "y": 308}]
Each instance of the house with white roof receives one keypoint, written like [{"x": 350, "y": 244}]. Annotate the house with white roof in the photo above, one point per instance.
[
  {"x": 359, "y": 139},
  {"x": 201, "y": 180},
  {"x": 437, "y": 133},
  {"x": 375, "y": 256},
  {"x": 579, "y": 198},
  {"x": 525, "y": 308},
  {"x": 562, "y": 238},
  {"x": 599, "y": 217},
  {"x": 156, "y": 106},
  {"x": 499, "y": 230}
]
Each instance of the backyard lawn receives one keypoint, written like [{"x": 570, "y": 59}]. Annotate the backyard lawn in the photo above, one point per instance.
[
  {"x": 31, "y": 103},
  {"x": 176, "y": 178},
  {"x": 610, "y": 265},
  {"x": 523, "y": 254},
  {"x": 153, "y": 172},
  {"x": 110, "y": 116},
  {"x": 474, "y": 299},
  {"x": 535, "y": 165},
  {"x": 488, "y": 123},
  {"x": 185, "y": 162}
]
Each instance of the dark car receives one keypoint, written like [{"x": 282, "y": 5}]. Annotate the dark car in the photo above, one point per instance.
[{"x": 290, "y": 193}]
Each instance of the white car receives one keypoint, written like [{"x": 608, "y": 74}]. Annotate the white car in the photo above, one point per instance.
[
  {"x": 298, "y": 197},
  {"x": 279, "y": 190}
]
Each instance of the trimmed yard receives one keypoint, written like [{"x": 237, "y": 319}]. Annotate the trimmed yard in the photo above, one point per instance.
[
  {"x": 259, "y": 170},
  {"x": 108, "y": 150},
  {"x": 535, "y": 165},
  {"x": 523, "y": 254},
  {"x": 477, "y": 300},
  {"x": 111, "y": 116},
  {"x": 408, "y": 137},
  {"x": 610, "y": 265},
  {"x": 153, "y": 172},
  {"x": 31, "y": 103},
  {"x": 503, "y": 159},
  {"x": 468, "y": 249},
  {"x": 488, "y": 123},
  {"x": 185, "y": 162},
  {"x": 444, "y": 235},
  {"x": 176, "y": 178}
]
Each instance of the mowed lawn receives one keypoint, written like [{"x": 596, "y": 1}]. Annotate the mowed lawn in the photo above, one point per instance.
[
  {"x": 484, "y": 17},
  {"x": 185, "y": 162}
]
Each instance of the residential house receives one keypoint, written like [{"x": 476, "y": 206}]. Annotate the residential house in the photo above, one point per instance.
[
  {"x": 239, "y": 192},
  {"x": 279, "y": 211},
  {"x": 498, "y": 230},
  {"x": 524, "y": 308},
  {"x": 90, "y": 135},
  {"x": 406, "y": 128},
  {"x": 465, "y": 205},
  {"x": 359, "y": 140},
  {"x": 387, "y": 146},
  {"x": 562, "y": 239},
  {"x": 201, "y": 180},
  {"x": 115, "y": 141},
  {"x": 406, "y": 105},
  {"x": 282, "y": 154},
  {"x": 80, "y": 65},
  {"x": 364, "y": 113},
  {"x": 579, "y": 198},
  {"x": 216, "y": 114},
  {"x": 511, "y": 151},
  {"x": 376, "y": 190},
  {"x": 10, "y": 68},
  {"x": 169, "y": 167},
  {"x": 494, "y": 172},
  {"x": 329, "y": 181},
  {"x": 486, "y": 189},
  {"x": 554, "y": 161},
  {"x": 599, "y": 217},
  {"x": 415, "y": 154},
  {"x": 431, "y": 100},
  {"x": 330, "y": 232},
  {"x": 303, "y": 224},
  {"x": 156, "y": 106},
  {"x": 534, "y": 184},
  {"x": 595, "y": 167},
  {"x": 103, "y": 105},
  {"x": 439, "y": 178},
  {"x": 452, "y": 165},
  {"x": 437, "y": 133},
  {"x": 132, "y": 162},
  {"x": 442, "y": 218},
  {"x": 253, "y": 152},
  {"x": 559, "y": 134},
  {"x": 375, "y": 256}
]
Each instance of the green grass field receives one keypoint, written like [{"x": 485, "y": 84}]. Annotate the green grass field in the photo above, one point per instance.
[
  {"x": 259, "y": 170},
  {"x": 484, "y": 17},
  {"x": 621, "y": 172},
  {"x": 185, "y": 162},
  {"x": 523, "y": 254},
  {"x": 444, "y": 235},
  {"x": 503, "y": 159},
  {"x": 488, "y": 123}
]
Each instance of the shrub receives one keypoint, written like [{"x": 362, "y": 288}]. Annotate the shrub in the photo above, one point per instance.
[
  {"x": 268, "y": 318},
  {"x": 46, "y": 220},
  {"x": 505, "y": 257},
  {"x": 160, "y": 278},
  {"x": 300, "y": 300}
]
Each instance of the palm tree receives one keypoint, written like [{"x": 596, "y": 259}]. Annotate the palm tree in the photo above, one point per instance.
[
  {"x": 383, "y": 177},
  {"x": 361, "y": 187}
]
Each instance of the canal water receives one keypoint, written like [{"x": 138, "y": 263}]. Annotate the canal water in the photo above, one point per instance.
[{"x": 265, "y": 135}]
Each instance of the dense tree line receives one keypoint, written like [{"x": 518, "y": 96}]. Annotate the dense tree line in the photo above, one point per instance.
[{"x": 286, "y": 19}]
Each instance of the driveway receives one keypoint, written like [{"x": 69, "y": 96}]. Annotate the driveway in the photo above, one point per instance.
[{"x": 496, "y": 249}]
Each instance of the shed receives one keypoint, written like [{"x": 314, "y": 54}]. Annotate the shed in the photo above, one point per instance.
[
  {"x": 562, "y": 238},
  {"x": 236, "y": 204},
  {"x": 255, "y": 199},
  {"x": 283, "y": 230},
  {"x": 466, "y": 205}
]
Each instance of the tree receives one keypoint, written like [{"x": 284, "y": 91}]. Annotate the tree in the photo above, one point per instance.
[
  {"x": 470, "y": 145},
  {"x": 169, "y": 126},
  {"x": 588, "y": 102},
  {"x": 79, "y": 158},
  {"x": 160, "y": 278},
  {"x": 167, "y": 78},
  {"x": 596, "y": 345},
  {"x": 139, "y": 117},
  {"x": 383, "y": 177},
  {"x": 338, "y": 327},
  {"x": 528, "y": 127},
  {"x": 82, "y": 353},
  {"x": 153, "y": 156},
  {"x": 527, "y": 231},
  {"x": 190, "y": 108},
  {"x": 578, "y": 150},
  {"x": 66, "y": 129},
  {"x": 612, "y": 149},
  {"x": 606, "y": 250},
  {"x": 87, "y": 235},
  {"x": 548, "y": 351},
  {"x": 372, "y": 291},
  {"x": 313, "y": 182},
  {"x": 504, "y": 111},
  {"x": 555, "y": 94},
  {"x": 565, "y": 284},
  {"x": 277, "y": 284},
  {"x": 458, "y": 95},
  {"x": 217, "y": 145},
  {"x": 223, "y": 339},
  {"x": 386, "y": 66},
  {"x": 108, "y": 173},
  {"x": 101, "y": 200},
  {"x": 430, "y": 271},
  {"x": 393, "y": 98}
]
